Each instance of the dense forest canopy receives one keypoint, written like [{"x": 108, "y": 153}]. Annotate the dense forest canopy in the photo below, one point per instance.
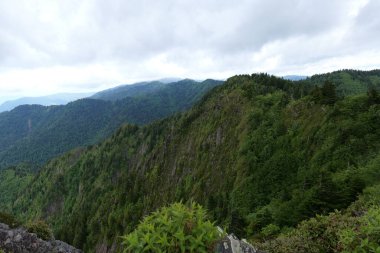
[{"x": 261, "y": 153}]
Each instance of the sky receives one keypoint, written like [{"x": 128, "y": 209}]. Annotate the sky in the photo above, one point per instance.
[{"x": 52, "y": 46}]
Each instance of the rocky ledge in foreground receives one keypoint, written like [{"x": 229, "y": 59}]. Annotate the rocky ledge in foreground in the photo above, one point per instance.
[{"x": 18, "y": 240}]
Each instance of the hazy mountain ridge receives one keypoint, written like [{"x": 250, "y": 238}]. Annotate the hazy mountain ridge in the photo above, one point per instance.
[
  {"x": 295, "y": 77},
  {"x": 33, "y": 133},
  {"x": 55, "y": 99},
  {"x": 129, "y": 90},
  {"x": 140, "y": 89}
]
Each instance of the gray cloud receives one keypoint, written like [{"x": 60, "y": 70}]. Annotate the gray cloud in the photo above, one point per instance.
[
  {"x": 134, "y": 29},
  {"x": 141, "y": 39}
]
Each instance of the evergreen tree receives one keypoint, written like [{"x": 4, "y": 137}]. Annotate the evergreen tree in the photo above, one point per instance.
[
  {"x": 329, "y": 93},
  {"x": 373, "y": 96}
]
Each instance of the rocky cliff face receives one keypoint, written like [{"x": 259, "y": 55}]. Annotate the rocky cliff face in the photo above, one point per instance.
[{"x": 18, "y": 240}]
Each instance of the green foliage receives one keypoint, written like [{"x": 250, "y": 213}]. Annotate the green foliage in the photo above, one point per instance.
[
  {"x": 9, "y": 219},
  {"x": 258, "y": 152},
  {"x": 373, "y": 96},
  {"x": 176, "y": 228},
  {"x": 336, "y": 232},
  {"x": 270, "y": 230},
  {"x": 355, "y": 229},
  {"x": 41, "y": 229},
  {"x": 326, "y": 94},
  {"x": 13, "y": 181},
  {"x": 319, "y": 234},
  {"x": 369, "y": 233}
]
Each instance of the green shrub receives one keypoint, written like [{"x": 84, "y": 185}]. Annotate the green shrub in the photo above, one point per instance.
[
  {"x": 9, "y": 219},
  {"x": 41, "y": 229},
  {"x": 366, "y": 237},
  {"x": 270, "y": 230},
  {"x": 336, "y": 232},
  {"x": 319, "y": 234},
  {"x": 176, "y": 228}
]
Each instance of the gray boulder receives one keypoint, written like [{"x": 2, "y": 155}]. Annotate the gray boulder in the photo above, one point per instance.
[
  {"x": 231, "y": 244},
  {"x": 18, "y": 240}
]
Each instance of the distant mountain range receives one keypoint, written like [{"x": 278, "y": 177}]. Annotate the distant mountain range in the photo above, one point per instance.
[
  {"x": 138, "y": 89},
  {"x": 127, "y": 90},
  {"x": 294, "y": 77},
  {"x": 55, "y": 99},
  {"x": 130, "y": 90},
  {"x": 36, "y": 133}
]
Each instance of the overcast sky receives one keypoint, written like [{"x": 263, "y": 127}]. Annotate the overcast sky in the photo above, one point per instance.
[{"x": 50, "y": 46}]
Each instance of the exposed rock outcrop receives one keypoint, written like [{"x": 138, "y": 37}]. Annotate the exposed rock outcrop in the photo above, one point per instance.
[
  {"x": 232, "y": 244},
  {"x": 18, "y": 240}
]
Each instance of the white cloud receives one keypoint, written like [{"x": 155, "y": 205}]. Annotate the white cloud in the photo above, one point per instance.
[{"x": 48, "y": 46}]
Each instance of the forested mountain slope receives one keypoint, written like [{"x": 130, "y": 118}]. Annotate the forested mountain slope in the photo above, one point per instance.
[
  {"x": 257, "y": 151},
  {"x": 35, "y": 134},
  {"x": 348, "y": 81}
]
